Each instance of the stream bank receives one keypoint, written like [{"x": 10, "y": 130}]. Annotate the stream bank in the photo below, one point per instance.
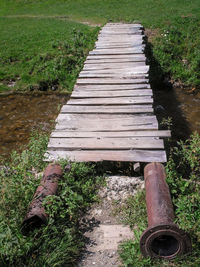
[{"x": 21, "y": 114}]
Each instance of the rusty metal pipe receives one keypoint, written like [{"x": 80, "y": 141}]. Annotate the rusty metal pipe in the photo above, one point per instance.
[
  {"x": 162, "y": 238},
  {"x": 48, "y": 186}
]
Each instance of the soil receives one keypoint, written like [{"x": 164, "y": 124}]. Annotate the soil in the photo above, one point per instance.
[{"x": 103, "y": 230}]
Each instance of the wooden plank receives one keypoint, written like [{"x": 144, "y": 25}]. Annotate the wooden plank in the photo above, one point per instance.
[
  {"x": 123, "y": 156},
  {"x": 115, "y": 60},
  {"x": 116, "y": 51},
  {"x": 97, "y": 57},
  {"x": 118, "y": 24},
  {"x": 116, "y": 38},
  {"x": 120, "y": 32},
  {"x": 94, "y": 118},
  {"x": 124, "y": 26},
  {"x": 111, "y": 81},
  {"x": 103, "y": 45},
  {"x": 106, "y": 125},
  {"x": 105, "y": 143},
  {"x": 111, "y": 101},
  {"x": 90, "y": 94},
  {"x": 112, "y": 61},
  {"x": 121, "y": 43},
  {"x": 105, "y": 118},
  {"x": 120, "y": 109},
  {"x": 126, "y": 34},
  {"x": 131, "y": 49},
  {"x": 73, "y": 134},
  {"x": 113, "y": 66},
  {"x": 111, "y": 87},
  {"x": 114, "y": 75}
]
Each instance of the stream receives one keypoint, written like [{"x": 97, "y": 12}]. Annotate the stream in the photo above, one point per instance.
[{"x": 22, "y": 114}]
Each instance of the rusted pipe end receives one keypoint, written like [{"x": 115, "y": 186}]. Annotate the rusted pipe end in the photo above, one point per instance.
[
  {"x": 164, "y": 241},
  {"x": 36, "y": 215}
]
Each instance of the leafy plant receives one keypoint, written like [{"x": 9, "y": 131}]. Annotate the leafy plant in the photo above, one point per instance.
[
  {"x": 177, "y": 50},
  {"x": 60, "y": 241},
  {"x": 183, "y": 173}
]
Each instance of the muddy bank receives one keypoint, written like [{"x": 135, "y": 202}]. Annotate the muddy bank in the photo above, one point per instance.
[{"x": 21, "y": 114}]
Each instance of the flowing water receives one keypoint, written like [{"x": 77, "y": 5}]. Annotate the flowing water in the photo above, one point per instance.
[
  {"x": 182, "y": 108},
  {"x": 22, "y": 114}
]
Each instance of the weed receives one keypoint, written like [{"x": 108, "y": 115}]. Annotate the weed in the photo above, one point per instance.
[
  {"x": 167, "y": 122},
  {"x": 60, "y": 241},
  {"x": 46, "y": 55},
  {"x": 177, "y": 50},
  {"x": 183, "y": 172}
]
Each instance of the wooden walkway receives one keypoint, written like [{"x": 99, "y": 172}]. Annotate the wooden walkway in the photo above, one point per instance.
[{"x": 110, "y": 114}]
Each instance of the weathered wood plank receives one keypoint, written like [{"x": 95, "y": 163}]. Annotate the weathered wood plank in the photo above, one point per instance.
[
  {"x": 106, "y": 125},
  {"x": 110, "y": 87},
  {"x": 125, "y": 32},
  {"x": 105, "y": 143},
  {"x": 97, "y": 57},
  {"x": 115, "y": 60},
  {"x": 116, "y": 38},
  {"x": 111, "y": 101},
  {"x": 116, "y": 51},
  {"x": 70, "y": 134},
  {"x": 115, "y": 45},
  {"x": 121, "y": 66},
  {"x": 94, "y": 118},
  {"x": 119, "y": 109},
  {"x": 110, "y": 34},
  {"x": 105, "y": 117},
  {"x": 114, "y": 75},
  {"x": 119, "y": 43},
  {"x": 90, "y": 94},
  {"x": 109, "y": 155},
  {"x": 111, "y": 81},
  {"x": 118, "y": 24}
]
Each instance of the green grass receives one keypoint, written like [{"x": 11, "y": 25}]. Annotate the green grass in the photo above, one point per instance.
[
  {"x": 29, "y": 30},
  {"x": 43, "y": 54},
  {"x": 177, "y": 51},
  {"x": 183, "y": 172},
  {"x": 58, "y": 243},
  {"x": 149, "y": 12}
]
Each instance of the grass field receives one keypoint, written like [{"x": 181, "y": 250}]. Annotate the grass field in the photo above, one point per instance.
[
  {"x": 151, "y": 13},
  {"x": 37, "y": 38},
  {"x": 43, "y": 44},
  {"x": 42, "y": 53}
]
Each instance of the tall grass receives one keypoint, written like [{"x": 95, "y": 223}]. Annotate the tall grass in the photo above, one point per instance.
[
  {"x": 58, "y": 243},
  {"x": 42, "y": 54},
  {"x": 183, "y": 173}
]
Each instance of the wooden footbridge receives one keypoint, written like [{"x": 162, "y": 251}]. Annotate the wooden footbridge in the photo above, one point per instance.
[{"x": 110, "y": 115}]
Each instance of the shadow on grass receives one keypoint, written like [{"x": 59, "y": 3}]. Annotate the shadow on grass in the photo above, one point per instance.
[{"x": 166, "y": 103}]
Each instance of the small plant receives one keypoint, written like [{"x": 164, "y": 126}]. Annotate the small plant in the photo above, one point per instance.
[
  {"x": 177, "y": 50},
  {"x": 167, "y": 123},
  {"x": 183, "y": 173},
  {"x": 60, "y": 241}
]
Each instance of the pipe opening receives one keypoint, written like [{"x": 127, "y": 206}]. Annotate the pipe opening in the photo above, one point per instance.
[{"x": 165, "y": 245}]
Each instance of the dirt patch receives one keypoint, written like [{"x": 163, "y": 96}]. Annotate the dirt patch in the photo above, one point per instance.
[
  {"x": 103, "y": 230},
  {"x": 152, "y": 34}
]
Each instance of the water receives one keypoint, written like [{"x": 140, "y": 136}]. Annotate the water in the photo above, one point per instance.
[
  {"x": 183, "y": 108},
  {"x": 21, "y": 114},
  {"x": 190, "y": 107}
]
